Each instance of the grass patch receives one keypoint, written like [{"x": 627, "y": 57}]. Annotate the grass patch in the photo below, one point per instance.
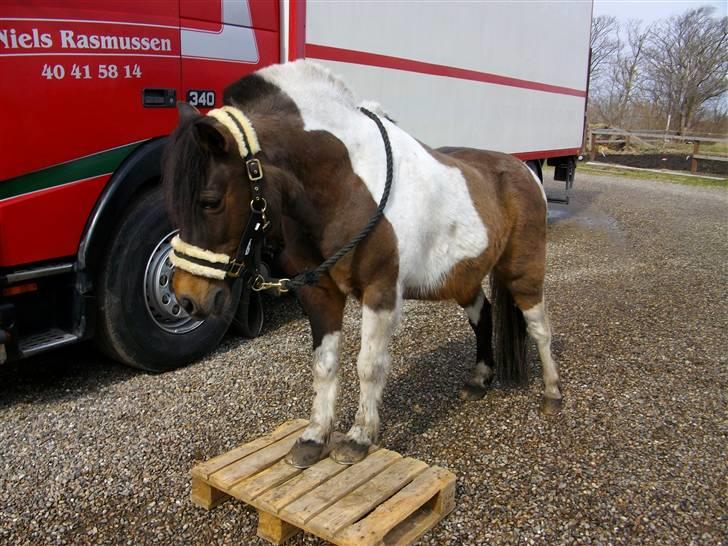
[{"x": 651, "y": 175}]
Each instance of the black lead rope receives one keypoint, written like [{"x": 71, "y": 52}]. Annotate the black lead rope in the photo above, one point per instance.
[{"x": 312, "y": 276}]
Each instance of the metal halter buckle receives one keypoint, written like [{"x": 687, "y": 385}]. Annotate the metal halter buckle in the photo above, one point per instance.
[
  {"x": 235, "y": 269},
  {"x": 255, "y": 169}
]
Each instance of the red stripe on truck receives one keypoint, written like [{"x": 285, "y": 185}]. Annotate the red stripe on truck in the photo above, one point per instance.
[{"x": 328, "y": 53}]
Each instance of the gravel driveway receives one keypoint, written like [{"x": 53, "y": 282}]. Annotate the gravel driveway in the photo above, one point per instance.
[{"x": 94, "y": 453}]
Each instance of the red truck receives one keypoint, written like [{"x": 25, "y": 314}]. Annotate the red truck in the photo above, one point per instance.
[
  {"x": 89, "y": 93},
  {"x": 89, "y": 89}
]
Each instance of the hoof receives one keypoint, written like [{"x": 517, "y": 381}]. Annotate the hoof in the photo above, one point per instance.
[
  {"x": 472, "y": 392},
  {"x": 305, "y": 453},
  {"x": 550, "y": 406},
  {"x": 349, "y": 452}
]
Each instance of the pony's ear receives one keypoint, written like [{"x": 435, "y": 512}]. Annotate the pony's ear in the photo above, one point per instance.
[
  {"x": 210, "y": 137},
  {"x": 186, "y": 111}
]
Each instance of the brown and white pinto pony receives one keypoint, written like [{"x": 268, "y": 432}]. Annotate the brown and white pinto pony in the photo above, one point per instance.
[{"x": 453, "y": 217}]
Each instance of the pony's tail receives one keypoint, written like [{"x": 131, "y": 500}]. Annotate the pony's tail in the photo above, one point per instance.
[{"x": 510, "y": 346}]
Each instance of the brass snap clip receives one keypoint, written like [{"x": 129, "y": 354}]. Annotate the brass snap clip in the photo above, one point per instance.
[{"x": 280, "y": 286}]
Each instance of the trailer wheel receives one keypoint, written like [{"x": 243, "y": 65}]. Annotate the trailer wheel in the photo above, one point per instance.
[{"x": 140, "y": 322}]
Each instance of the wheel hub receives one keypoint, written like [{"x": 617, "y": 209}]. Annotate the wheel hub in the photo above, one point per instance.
[{"x": 162, "y": 304}]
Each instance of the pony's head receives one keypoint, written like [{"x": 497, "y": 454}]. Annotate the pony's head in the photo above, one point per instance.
[{"x": 208, "y": 198}]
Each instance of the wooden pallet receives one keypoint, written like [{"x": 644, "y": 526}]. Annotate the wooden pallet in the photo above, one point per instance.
[{"x": 384, "y": 499}]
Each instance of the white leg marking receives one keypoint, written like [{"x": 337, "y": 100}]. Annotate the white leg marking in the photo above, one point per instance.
[
  {"x": 473, "y": 311},
  {"x": 325, "y": 384},
  {"x": 482, "y": 375},
  {"x": 540, "y": 331},
  {"x": 373, "y": 365}
]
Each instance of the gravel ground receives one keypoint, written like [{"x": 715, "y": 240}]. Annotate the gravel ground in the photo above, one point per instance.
[{"x": 94, "y": 453}]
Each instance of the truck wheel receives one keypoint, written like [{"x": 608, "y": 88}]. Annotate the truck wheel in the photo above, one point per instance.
[{"x": 139, "y": 320}]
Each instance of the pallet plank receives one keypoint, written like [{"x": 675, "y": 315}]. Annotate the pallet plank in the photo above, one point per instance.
[
  {"x": 298, "y": 486},
  {"x": 364, "y": 499},
  {"x": 228, "y": 476},
  {"x": 254, "y": 486},
  {"x": 204, "y": 470},
  {"x": 373, "y": 528},
  {"x": 320, "y": 498}
]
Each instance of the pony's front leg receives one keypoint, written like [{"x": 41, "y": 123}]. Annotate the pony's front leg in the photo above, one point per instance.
[
  {"x": 325, "y": 308},
  {"x": 377, "y": 325}
]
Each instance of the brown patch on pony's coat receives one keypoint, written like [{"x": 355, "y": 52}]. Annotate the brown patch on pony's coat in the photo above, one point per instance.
[
  {"x": 499, "y": 186},
  {"x": 514, "y": 212},
  {"x": 309, "y": 162}
]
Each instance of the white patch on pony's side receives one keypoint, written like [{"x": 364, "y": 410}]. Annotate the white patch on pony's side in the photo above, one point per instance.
[
  {"x": 430, "y": 208},
  {"x": 538, "y": 182},
  {"x": 325, "y": 384}
]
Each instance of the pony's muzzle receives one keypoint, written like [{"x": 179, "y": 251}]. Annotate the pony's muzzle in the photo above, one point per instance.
[{"x": 198, "y": 296}]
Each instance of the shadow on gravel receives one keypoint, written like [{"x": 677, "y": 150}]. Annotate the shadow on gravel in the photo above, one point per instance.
[
  {"x": 427, "y": 391},
  {"x": 81, "y": 369},
  {"x": 576, "y": 208},
  {"x": 64, "y": 374}
]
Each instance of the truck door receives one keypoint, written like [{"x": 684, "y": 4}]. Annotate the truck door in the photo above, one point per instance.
[
  {"x": 83, "y": 83},
  {"x": 222, "y": 41}
]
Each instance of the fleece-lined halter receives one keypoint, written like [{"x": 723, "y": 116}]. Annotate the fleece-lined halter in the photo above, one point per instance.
[{"x": 205, "y": 263}]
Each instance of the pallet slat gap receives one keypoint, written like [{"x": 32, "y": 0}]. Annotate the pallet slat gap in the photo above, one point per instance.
[
  {"x": 227, "y": 477},
  {"x": 364, "y": 499},
  {"x": 204, "y": 470},
  {"x": 306, "y": 507},
  {"x": 373, "y": 528}
]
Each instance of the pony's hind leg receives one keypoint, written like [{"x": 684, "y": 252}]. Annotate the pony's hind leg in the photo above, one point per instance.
[
  {"x": 527, "y": 291},
  {"x": 540, "y": 330},
  {"x": 324, "y": 305},
  {"x": 478, "y": 309},
  {"x": 380, "y": 316}
]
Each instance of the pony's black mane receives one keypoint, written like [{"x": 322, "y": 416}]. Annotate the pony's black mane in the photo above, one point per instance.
[{"x": 185, "y": 161}]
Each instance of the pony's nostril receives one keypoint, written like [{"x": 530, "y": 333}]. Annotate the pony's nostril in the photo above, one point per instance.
[{"x": 188, "y": 305}]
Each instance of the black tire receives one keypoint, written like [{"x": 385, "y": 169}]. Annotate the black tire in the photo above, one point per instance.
[
  {"x": 535, "y": 166},
  {"x": 133, "y": 325}
]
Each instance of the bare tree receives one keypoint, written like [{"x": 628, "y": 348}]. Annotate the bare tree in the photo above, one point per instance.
[
  {"x": 604, "y": 44},
  {"x": 687, "y": 63},
  {"x": 626, "y": 76}
]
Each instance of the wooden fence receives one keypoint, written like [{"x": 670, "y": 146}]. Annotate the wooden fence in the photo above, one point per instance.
[{"x": 627, "y": 137}]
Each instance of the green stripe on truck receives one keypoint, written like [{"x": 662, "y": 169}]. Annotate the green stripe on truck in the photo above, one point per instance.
[{"x": 64, "y": 173}]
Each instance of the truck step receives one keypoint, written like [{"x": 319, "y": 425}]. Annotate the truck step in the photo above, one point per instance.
[
  {"x": 44, "y": 341},
  {"x": 30, "y": 273}
]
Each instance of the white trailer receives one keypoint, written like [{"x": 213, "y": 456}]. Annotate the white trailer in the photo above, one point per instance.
[{"x": 507, "y": 76}]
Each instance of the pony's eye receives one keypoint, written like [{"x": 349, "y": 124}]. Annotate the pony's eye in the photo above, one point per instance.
[{"x": 210, "y": 204}]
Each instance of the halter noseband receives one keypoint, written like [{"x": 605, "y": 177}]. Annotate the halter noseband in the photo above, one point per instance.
[{"x": 205, "y": 263}]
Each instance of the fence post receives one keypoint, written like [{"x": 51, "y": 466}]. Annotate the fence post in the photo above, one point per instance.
[
  {"x": 592, "y": 146},
  {"x": 693, "y": 161}
]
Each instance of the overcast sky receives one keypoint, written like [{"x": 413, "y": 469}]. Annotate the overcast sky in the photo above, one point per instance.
[{"x": 652, "y": 10}]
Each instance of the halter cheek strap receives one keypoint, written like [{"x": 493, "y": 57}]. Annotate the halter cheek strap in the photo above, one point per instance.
[{"x": 205, "y": 263}]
